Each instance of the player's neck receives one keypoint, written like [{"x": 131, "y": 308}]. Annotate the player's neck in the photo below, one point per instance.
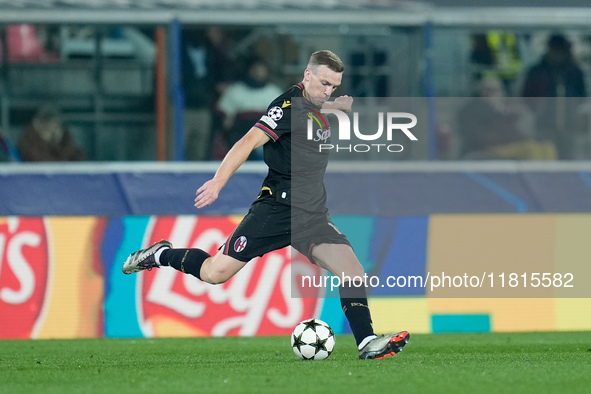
[
  {"x": 306, "y": 96},
  {"x": 304, "y": 91}
]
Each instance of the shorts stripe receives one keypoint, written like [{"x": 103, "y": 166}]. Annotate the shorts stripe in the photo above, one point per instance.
[{"x": 227, "y": 247}]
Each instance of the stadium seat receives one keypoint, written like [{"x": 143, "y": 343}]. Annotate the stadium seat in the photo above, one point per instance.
[{"x": 22, "y": 45}]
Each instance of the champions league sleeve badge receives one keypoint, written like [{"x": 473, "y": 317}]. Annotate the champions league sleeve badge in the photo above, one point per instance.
[{"x": 275, "y": 113}]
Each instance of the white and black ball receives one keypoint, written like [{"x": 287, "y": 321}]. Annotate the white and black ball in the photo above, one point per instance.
[{"x": 312, "y": 339}]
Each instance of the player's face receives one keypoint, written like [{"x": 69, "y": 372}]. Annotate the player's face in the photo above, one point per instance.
[{"x": 320, "y": 84}]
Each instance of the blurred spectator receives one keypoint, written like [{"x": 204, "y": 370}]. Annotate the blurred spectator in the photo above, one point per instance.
[
  {"x": 489, "y": 128},
  {"x": 45, "y": 138},
  {"x": 245, "y": 101},
  {"x": 481, "y": 54},
  {"x": 557, "y": 77},
  {"x": 4, "y": 150},
  {"x": 556, "y": 74},
  {"x": 8, "y": 151},
  {"x": 206, "y": 73},
  {"x": 495, "y": 55}
]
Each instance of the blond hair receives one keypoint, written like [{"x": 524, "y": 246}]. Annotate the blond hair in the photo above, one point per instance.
[{"x": 326, "y": 58}]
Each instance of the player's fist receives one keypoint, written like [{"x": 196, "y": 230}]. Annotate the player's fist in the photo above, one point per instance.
[{"x": 344, "y": 103}]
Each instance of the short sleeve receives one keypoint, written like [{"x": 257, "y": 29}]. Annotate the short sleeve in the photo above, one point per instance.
[{"x": 277, "y": 120}]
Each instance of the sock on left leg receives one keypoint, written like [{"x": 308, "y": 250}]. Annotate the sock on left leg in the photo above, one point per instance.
[{"x": 188, "y": 261}]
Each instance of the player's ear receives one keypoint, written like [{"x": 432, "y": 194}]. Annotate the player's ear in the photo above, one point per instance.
[{"x": 307, "y": 74}]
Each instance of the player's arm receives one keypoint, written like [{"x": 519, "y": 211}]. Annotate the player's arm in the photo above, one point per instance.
[
  {"x": 210, "y": 190},
  {"x": 343, "y": 103}
]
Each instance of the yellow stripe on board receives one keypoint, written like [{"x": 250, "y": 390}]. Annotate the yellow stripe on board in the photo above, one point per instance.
[
  {"x": 396, "y": 314},
  {"x": 76, "y": 292}
]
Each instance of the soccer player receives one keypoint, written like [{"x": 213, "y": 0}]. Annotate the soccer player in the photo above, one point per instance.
[{"x": 290, "y": 209}]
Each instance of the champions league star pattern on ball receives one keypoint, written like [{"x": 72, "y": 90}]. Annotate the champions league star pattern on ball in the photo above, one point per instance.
[{"x": 312, "y": 339}]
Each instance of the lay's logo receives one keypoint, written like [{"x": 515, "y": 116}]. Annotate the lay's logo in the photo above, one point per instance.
[{"x": 256, "y": 301}]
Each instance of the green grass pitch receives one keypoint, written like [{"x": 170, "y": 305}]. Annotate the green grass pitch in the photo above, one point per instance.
[{"x": 439, "y": 363}]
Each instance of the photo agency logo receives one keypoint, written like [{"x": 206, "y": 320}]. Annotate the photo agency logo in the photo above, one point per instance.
[{"x": 318, "y": 130}]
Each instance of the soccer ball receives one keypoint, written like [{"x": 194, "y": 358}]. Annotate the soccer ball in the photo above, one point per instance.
[{"x": 312, "y": 339}]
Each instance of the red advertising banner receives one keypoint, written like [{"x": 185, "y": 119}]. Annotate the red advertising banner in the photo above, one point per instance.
[{"x": 24, "y": 273}]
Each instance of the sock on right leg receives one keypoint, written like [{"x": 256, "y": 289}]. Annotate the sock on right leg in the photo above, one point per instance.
[{"x": 188, "y": 261}]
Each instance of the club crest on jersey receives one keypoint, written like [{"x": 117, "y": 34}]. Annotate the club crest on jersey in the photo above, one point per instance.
[
  {"x": 275, "y": 113},
  {"x": 240, "y": 244}
]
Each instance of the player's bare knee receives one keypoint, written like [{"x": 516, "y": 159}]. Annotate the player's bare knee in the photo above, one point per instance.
[
  {"x": 339, "y": 259},
  {"x": 216, "y": 276},
  {"x": 220, "y": 273},
  {"x": 354, "y": 269}
]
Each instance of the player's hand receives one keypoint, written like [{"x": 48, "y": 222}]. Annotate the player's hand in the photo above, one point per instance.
[
  {"x": 344, "y": 103},
  {"x": 207, "y": 193}
]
